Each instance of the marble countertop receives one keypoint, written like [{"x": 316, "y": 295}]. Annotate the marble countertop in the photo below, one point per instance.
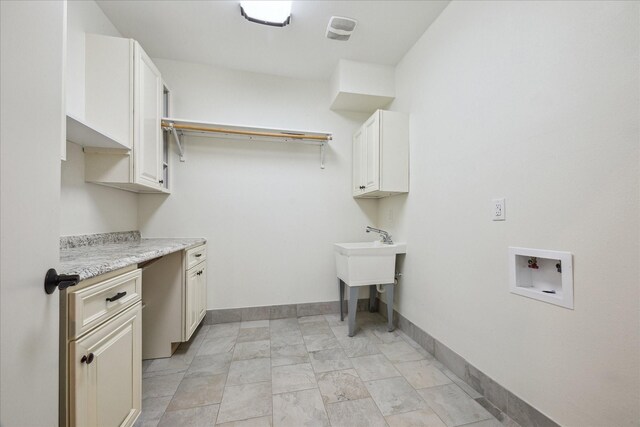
[{"x": 95, "y": 257}]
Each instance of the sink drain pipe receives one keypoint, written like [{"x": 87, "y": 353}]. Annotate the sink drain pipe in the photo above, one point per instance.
[{"x": 396, "y": 282}]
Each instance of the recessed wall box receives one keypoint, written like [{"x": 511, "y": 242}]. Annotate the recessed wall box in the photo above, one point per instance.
[{"x": 541, "y": 274}]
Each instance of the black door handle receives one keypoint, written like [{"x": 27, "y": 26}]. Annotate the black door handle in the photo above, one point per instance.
[
  {"x": 198, "y": 255},
  {"x": 53, "y": 280},
  {"x": 117, "y": 296}
]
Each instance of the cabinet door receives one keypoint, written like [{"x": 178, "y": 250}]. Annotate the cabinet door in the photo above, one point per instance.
[
  {"x": 371, "y": 154},
  {"x": 105, "y": 373},
  {"x": 147, "y": 116},
  {"x": 202, "y": 292},
  {"x": 358, "y": 167},
  {"x": 191, "y": 299}
]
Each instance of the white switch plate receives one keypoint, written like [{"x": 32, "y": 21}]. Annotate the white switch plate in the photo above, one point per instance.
[{"x": 497, "y": 210}]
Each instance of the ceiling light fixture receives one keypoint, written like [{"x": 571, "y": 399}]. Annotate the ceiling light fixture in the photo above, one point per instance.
[{"x": 273, "y": 13}]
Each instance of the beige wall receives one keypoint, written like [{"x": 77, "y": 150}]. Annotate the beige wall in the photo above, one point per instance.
[
  {"x": 537, "y": 102},
  {"x": 270, "y": 214}
]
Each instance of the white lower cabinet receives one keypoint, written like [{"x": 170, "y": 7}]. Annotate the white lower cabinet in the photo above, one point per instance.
[
  {"x": 106, "y": 373},
  {"x": 195, "y": 297},
  {"x": 104, "y": 363}
]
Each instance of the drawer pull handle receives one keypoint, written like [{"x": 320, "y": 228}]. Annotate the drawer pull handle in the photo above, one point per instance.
[
  {"x": 117, "y": 296},
  {"x": 198, "y": 255}
]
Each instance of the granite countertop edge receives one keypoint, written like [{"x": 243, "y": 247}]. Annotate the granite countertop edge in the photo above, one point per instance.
[{"x": 95, "y": 260}]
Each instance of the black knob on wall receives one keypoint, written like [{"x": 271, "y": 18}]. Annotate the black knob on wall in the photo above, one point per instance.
[{"x": 53, "y": 280}]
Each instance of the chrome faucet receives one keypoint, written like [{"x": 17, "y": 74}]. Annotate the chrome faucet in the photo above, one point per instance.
[{"x": 386, "y": 237}]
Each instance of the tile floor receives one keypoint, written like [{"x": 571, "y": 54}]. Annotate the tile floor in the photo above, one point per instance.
[{"x": 307, "y": 372}]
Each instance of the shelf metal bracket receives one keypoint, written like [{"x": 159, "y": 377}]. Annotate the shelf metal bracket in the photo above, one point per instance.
[
  {"x": 177, "y": 138},
  {"x": 322, "y": 148}
]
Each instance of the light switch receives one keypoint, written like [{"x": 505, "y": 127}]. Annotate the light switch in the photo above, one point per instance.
[{"x": 497, "y": 210}]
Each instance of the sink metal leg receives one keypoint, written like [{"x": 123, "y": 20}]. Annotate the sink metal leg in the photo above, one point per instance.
[
  {"x": 388, "y": 291},
  {"x": 341, "y": 286},
  {"x": 373, "y": 301},
  {"x": 353, "y": 306}
]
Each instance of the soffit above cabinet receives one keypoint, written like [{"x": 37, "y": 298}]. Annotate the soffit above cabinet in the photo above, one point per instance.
[
  {"x": 83, "y": 134},
  {"x": 101, "y": 114},
  {"x": 363, "y": 87}
]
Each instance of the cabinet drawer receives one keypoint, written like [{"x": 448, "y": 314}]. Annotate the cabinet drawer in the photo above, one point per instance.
[
  {"x": 195, "y": 255},
  {"x": 94, "y": 304}
]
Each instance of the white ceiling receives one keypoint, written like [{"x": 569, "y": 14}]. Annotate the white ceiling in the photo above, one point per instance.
[{"x": 214, "y": 32}]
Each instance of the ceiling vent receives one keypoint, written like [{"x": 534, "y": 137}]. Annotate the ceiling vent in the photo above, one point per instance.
[{"x": 340, "y": 28}]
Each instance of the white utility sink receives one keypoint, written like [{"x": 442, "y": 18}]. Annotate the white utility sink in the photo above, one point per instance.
[{"x": 367, "y": 263}]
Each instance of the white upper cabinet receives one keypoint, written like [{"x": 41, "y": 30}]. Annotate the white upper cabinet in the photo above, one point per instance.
[
  {"x": 104, "y": 116},
  {"x": 147, "y": 116},
  {"x": 381, "y": 155},
  {"x": 124, "y": 99}
]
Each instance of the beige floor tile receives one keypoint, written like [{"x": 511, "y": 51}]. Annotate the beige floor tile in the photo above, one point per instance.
[
  {"x": 374, "y": 367},
  {"x": 251, "y": 422},
  {"x": 379, "y": 334},
  {"x": 249, "y": 371},
  {"x": 299, "y": 408},
  {"x": 292, "y": 378},
  {"x": 358, "y": 346},
  {"x": 223, "y": 330},
  {"x": 161, "y": 385},
  {"x": 399, "y": 351},
  {"x": 217, "y": 345},
  {"x": 201, "y": 416},
  {"x": 355, "y": 413},
  {"x": 210, "y": 364},
  {"x": 306, "y": 319},
  {"x": 334, "y": 319},
  {"x": 421, "y": 374},
  {"x": 253, "y": 334},
  {"x": 315, "y": 328},
  {"x": 152, "y": 410},
  {"x": 340, "y": 331},
  {"x": 245, "y": 401},
  {"x": 198, "y": 391},
  {"x": 321, "y": 342},
  {"x": 421, "y": 418},
  {"x": 283, "y": 325},
  {"x": 254, "y": 324},
  {"x": 338, "y": 386},
  {"x": 492, "y": 422},
  {"x": 252, "y": 350},
  {"x": 289, "y": 355},
  {"x": 168, "y": 365},
  {"x": 330, "y": 360},
  {"x": 288, "y": 337},
  {"x": 394, "y": 396},
  {"x": 453, "y": 405},
  {"x": 460, "y": 383}
]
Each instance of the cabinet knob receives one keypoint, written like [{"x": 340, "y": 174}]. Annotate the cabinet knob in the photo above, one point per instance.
[
  {"x": 161, "y": 181},
  {"x": 87, "y": 358}
]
